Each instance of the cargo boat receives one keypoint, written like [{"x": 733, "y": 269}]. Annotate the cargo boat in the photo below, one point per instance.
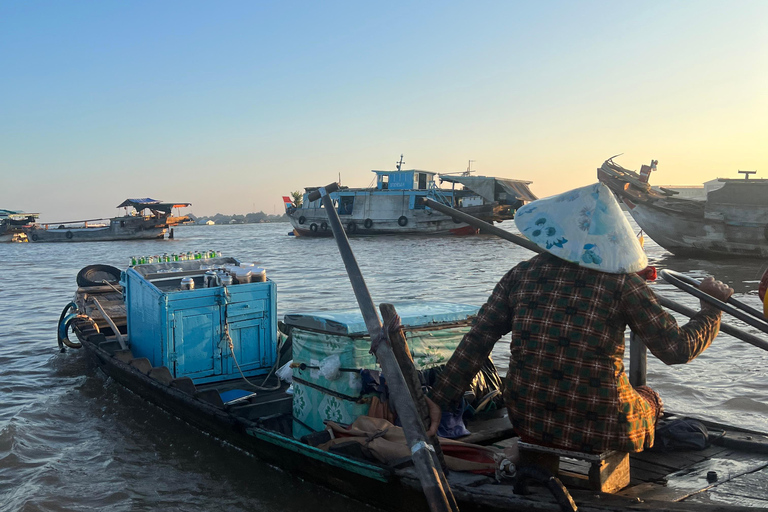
[
  {"x": 394, "y": 205},
  {"x": 145, "y": 219}
]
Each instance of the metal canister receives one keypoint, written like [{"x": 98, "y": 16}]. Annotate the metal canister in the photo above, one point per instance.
[
  {"x": 187, "y": 283},
  {"x": 226, "y": 280},
  {"x": 209, "y": 279}
]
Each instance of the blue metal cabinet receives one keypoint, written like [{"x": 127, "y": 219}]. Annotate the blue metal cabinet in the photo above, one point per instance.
[{"x": 189, "y": 331}]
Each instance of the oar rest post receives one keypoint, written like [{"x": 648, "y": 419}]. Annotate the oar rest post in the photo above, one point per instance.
[{"x": 608, "y": 471}]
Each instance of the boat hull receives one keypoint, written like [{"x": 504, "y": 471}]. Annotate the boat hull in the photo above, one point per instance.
[
  {"x": 686, "y": 236},
  {"x": 720, "y": 227},
  {"x": 314, "y": 222},
  {"x": 360, "y": 481},
  {"x": 93, "y": 235}
]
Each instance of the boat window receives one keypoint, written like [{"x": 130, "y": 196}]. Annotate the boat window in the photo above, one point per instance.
[
  {"x": 384, "y": 181},
  {"x": 422, "y": 177},
  {"x": 346, "y": 205},
  {"x": 417, "y": 203}
]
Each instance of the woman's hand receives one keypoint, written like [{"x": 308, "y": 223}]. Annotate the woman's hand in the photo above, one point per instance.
[
  {"x": 434, "y": 417},
  {"x": 716, "y": 289}
]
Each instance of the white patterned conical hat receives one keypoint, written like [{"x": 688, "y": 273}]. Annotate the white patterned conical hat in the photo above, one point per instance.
[{"x": 584, "y": 226}]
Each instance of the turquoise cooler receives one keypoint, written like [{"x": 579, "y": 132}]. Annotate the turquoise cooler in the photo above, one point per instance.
[{"x": 340, "y": 338}]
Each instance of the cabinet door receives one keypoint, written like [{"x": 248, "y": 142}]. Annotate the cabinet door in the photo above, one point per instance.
[
  {"x": 250, "y": 342},
  {"x": 196, "y": 338}
]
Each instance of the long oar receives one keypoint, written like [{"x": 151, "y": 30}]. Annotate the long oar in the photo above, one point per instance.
[
  {"x": 433, "y": 482},
  {"x": 667, "y": 303},
  {"x": 743, "y": 312}
]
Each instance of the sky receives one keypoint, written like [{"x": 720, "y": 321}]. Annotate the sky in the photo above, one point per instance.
[{"x": 232, "y": 105}]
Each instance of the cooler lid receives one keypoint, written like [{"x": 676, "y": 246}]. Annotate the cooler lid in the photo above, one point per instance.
[{"x": 412, "y": 315}]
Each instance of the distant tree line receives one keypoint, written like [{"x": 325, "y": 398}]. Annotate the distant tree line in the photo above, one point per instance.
[{"x": 250, "y": 218}]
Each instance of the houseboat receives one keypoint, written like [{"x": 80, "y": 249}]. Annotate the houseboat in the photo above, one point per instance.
[
  {"x": 145, "y": 219},
  {"x": 394, "y": 205}
]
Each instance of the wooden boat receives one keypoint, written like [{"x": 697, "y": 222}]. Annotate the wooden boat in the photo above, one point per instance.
[
  {"x": 145, "y": 219},
  {"x": 394, "y": 205},
  {"x": 166, "y": 344},
  {"x": 12, "y": 225},
  {"x": 732, "y": 222}
]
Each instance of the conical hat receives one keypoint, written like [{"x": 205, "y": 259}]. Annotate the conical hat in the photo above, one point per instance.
[{"x": 584, "y": 226}]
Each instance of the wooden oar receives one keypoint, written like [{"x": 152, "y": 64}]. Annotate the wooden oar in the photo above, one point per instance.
[
  {"x": 410, "y": 373},
  {"x": 433, "y": 482},
  {"x": 524, "y": 242}
]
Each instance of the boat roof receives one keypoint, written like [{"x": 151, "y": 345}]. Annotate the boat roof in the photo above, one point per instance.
[
  {"x": 485, "y": 186},
  {"x": 403, "y": 171},
  {"x": 16, "y": 214},
  {"x": 153, "y": 204}
]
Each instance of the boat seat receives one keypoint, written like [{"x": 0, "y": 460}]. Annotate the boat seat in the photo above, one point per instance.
[{"x": 608, "y": 471}]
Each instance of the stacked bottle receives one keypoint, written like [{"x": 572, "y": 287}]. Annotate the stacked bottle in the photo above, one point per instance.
[{"x": 170, "y": 258}]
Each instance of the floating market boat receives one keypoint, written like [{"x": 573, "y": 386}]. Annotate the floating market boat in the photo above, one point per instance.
[
  {"x": 145, "y": 219},
  {"x": 12, "y": 225},
  {"x": 733, "y": 221},
  {"x": 394, "y": 205},
  {"x": 200, "y": 339}
]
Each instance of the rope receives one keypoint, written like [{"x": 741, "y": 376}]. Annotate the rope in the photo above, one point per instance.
[
  {"x": 225, "y": 336},
  {"x": 392, "y": 326}
]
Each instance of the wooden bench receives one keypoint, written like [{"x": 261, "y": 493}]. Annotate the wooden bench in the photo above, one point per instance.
[{"x": 608, "y": 471}]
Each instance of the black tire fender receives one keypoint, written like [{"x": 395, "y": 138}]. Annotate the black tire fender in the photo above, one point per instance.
[
  {"x": 402, "y": 221},
  {"x": 93, "y": 275},
  {"x": 69, "y": 235},
  {"x": 323, "y": 226},
  {"x": 34, "y": 237},
  {"x": 368, "y": 224},
  {"x": 351, "y": 227},
  {"x": 313, "y": 227},
  {"x": 302, "y": 219}
]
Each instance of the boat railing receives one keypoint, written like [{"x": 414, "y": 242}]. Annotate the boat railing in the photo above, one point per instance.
[{"x": 436, "y": 194}]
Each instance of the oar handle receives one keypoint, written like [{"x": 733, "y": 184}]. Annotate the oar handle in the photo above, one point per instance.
[{"x": 315, "y": 194}]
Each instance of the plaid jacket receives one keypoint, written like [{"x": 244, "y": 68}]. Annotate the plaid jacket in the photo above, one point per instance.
[{"x": 566, "y": 384}]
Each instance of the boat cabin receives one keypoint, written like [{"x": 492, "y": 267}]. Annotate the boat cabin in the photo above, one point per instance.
[{"x": 405, "y": 180}]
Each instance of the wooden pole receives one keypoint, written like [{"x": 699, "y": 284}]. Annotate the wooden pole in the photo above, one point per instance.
[
  {"x": 404, "y": 360},
  {"x": 433, "y": 482},
  {"x": 638, "y": 361}
]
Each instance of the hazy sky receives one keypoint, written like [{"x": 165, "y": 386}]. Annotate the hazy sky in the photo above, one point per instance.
[{"x": 231, "y": 105}]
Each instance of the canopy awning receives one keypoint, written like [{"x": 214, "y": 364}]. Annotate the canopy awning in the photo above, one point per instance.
[
  {"x": 152, "y": 204},
  {"x": 486, "y": 186}
]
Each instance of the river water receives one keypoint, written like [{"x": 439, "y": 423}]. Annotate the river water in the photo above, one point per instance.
[{"x": 70, "y": 439}]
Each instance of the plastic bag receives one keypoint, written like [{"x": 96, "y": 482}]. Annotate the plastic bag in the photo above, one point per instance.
[{"x": 285, "y": 373}]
